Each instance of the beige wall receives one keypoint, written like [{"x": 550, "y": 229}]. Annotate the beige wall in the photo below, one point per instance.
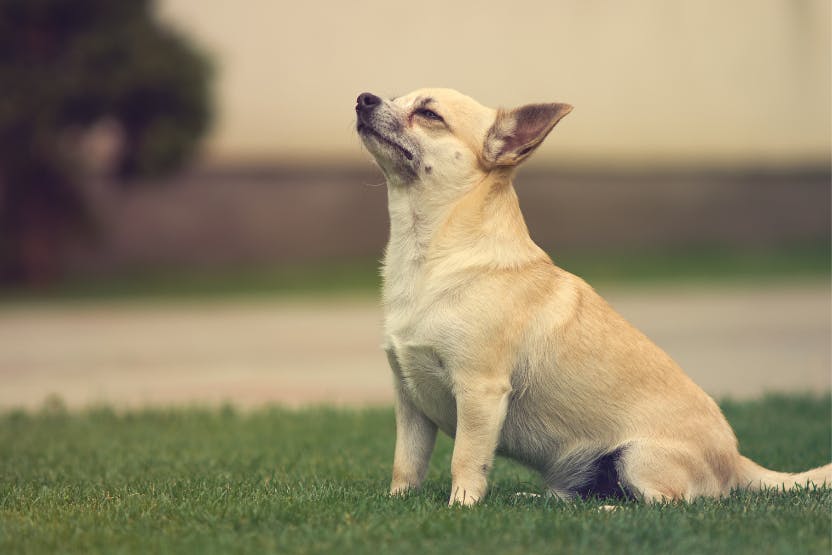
[{"x": 654, "y": 82}]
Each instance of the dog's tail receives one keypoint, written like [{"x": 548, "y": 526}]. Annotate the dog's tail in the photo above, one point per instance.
[{"x": 753, "y": 476}]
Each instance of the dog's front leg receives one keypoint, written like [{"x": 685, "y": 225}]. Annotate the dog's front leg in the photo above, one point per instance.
[
  {"x": 481, "y": 410},
  {"x": 415, "y": 438}
]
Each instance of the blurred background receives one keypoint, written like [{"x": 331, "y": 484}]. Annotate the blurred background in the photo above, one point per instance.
[{"x": 187, "y": 215}]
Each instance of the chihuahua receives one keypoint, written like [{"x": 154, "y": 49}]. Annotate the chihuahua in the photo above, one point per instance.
[{"x": 493, "y": 344}]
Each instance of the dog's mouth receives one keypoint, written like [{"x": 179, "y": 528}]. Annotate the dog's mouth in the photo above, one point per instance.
[{"x": 364, "y": 129}]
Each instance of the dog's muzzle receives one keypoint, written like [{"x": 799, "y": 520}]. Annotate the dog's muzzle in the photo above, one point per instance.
[{"x": 380, "y": 127}]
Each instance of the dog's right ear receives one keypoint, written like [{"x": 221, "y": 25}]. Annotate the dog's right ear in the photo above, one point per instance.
[{"x": 517, "y": 133}]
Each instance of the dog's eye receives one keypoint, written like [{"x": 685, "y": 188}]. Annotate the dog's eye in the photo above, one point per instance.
[{"x": 429, "y": 114}]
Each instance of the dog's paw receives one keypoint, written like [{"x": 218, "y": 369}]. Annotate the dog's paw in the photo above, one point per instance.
[
  {"x": 463, "y": 498},
  {"x": 400, "y": 490}
]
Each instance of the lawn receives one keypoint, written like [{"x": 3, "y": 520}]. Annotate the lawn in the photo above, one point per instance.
[{"x": 313, "y": 481}]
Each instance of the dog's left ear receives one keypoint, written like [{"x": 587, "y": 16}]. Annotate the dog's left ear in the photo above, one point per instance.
[{"x": 516, "y": 133}]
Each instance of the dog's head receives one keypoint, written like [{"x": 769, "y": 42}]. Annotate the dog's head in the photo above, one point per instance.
[{"x": 441, "y": 135}]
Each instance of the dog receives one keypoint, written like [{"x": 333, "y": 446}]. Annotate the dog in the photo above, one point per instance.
[{"x": 507, "y": 353}]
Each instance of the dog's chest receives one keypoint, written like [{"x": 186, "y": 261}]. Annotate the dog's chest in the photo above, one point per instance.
[
  {"x": 417, "y": 357},
  {"x": 419, "y": 321}
]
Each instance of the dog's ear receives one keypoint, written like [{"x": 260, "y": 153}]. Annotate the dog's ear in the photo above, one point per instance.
[{"x": 516, "y": 133}]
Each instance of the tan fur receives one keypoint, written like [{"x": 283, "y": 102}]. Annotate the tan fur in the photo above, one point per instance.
[{"x": 493, "y": 344}]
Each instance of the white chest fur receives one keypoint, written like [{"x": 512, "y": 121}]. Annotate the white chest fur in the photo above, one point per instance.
[
  {"x": 417, "y": 319},
  {"x": 419, "y": 342},
  {"x": 426, "y": 380}
]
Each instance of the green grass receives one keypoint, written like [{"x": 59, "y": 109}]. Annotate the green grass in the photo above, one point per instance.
[
  {"x": 313, "y": 481},
  {"x": 688, "y": 266},
  {"x": 701, "y": 265}
]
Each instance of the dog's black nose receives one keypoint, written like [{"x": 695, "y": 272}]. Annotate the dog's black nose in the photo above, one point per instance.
[{"x": 366, "y": 101}]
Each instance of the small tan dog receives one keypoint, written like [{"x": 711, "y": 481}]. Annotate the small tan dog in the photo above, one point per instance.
[{"x": 493, "y": 344}]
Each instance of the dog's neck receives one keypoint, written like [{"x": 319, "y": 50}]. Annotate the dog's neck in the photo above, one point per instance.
[{"x": 440, "y": 229}]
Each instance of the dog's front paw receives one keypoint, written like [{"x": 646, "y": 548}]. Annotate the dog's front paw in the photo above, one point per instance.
[
  {"x": 401, "y": 488},
  {"x": 464, "y": 497}
]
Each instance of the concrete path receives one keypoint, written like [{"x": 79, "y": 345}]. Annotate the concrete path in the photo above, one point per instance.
[{"x": 733, "y": 340}]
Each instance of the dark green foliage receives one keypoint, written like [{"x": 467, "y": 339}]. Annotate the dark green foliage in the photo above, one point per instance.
[
  {"x": 66, "y": 65},
  {"x": 313, "y": 481}
]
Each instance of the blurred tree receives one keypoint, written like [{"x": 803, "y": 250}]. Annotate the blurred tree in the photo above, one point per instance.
[{"x": 66, "y": 65}]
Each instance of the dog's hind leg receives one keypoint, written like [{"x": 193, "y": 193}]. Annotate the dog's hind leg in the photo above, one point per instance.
[{"x": 658, "y": 471}]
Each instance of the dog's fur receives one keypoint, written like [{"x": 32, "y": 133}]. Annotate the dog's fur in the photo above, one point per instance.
[{"x": 493, "y": 344}]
